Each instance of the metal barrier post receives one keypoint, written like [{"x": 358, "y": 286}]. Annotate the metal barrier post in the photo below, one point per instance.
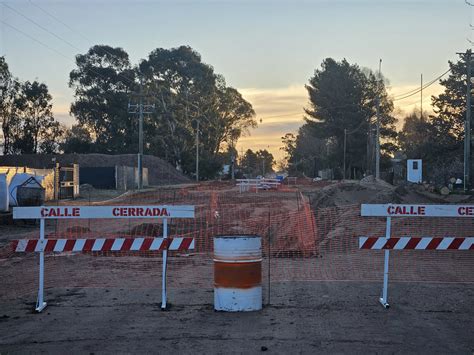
[
  {"x": 383, "y": 299},
  {"x": 40, "y": 304},
  {"x": 165, "y": 257}
]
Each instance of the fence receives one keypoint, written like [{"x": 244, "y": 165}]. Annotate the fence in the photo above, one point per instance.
[{"x": 300, "y": 243}]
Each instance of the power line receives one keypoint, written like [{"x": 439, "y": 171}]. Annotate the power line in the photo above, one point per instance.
[
  {"x": 60, "y": 21},
  {"x": 53, "y": 49},
  {"x": 58, "y": 37},
  {"x": 284, "y": 115},
  {"x": 41, "y": 26},
  {"x": 67, "y": 26},
  {"x": 36, "y": 40},
  {"x": 411, "y": 93},
  {"x": 415, "y": 91}
]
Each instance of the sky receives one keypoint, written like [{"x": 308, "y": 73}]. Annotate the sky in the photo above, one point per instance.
[{"x": 266, "y": 49}]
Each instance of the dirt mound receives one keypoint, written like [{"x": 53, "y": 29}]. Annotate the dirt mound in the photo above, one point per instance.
[
  {"x": 159, "y": 171},
  {"x": 368, "y": 190}
]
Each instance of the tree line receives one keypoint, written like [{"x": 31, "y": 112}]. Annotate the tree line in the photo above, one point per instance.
[
  {"x": 339, "y": 130},
  {"x": 343, "y": 101},
  {"x": 185, "y": 91}
]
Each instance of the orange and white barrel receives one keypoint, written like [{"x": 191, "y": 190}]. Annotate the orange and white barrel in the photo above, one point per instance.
[{"x": 237, "y": 273}]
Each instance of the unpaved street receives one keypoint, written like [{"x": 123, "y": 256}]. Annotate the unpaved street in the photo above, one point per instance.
[{"x": 329, "y": 317}]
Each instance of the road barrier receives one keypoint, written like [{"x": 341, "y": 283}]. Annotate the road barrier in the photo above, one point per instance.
[
  {"x": 413, "y": 243},
  {"x": 102, "y": 244},
  {"x": 304, "y": 238},
  {"x": 258, "y": 184},
  {"x": 237, "y": 273}
]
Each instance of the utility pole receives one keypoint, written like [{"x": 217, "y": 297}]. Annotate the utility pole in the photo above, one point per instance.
[
  {"x": 421, "y": 98},
  {"x": 140, "y": 109},
  {"x": 467, "y": 122},
  {"x": 377, "y": 139},
  {"x": 344, "y": 163},
  {"x": 467, "y": 126},
  {"x": 232, "y": 161},
  {"x": 197, "y": 150}
]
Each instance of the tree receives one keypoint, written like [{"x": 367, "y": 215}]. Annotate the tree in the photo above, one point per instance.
[
  {"x": 102, "y": 85},
  {"x": 265, "y": 162},
  {"x": 438, "y": 139},
  {"x": 343, "y": 97},
  {"x": 249, "y": 163},
  {"x": 450, "y": 105},
  {"x": 233, "y": 117},
  {"x": 257, "y": 163},
  {"x": 77, "y": 140},
  {"x": 182, "y": 85},
  {"x": 415, "y": 138},
  {"x": 188, "y": 91},
  {"x": 33, "y": 127},
  {"x": 289, "y": 146},
  {"x": 54, "y": 142},
  {"x": 9, "y": 88}
]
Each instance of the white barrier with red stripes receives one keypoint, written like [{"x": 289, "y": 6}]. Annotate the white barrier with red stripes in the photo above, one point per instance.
[
  {"x": 103, "y": 245},
  {"x": 413, "y": 243},
  {"x": 162, "y": 212},
  {"x": 388, "y": 243}
]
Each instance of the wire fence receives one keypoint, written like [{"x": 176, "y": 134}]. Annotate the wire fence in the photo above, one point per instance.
[{"x": 300, "y": 242}]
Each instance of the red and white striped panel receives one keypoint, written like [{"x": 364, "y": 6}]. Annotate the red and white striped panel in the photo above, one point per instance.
[
  {"x": 103, "y": 244},
  {"x": 412, "y": 243}
]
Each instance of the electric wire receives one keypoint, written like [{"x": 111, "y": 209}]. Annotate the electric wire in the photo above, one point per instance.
[
  {"x": 59, "y": 20},
  {"x": 423, "y": 87},
  {"x": 41, "y": 26},
  {"x": 57, "y": 37},
  {"x": 416, "y": 91},
  {"x": 69, "y": 27},
  {"x": 49, "y": 47},
  {"x": 283, "y": 115},
  {"x": 35, "y": 40}
]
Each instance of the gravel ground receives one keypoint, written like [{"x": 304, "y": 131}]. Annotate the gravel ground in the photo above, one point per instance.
[{"x": 310, "y": 317}]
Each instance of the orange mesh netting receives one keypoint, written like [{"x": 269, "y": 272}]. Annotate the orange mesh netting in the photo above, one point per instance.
[{"x": 300, "y": 243}]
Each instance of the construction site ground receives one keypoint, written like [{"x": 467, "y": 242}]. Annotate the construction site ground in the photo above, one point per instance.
[
  {"x": 320, "y": 292},
  {"x": 308, "y": 317}
]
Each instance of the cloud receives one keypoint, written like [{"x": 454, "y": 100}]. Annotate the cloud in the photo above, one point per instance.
[
  {"x": 267, "y": 103},
  {"x": 281, "y": 111}
]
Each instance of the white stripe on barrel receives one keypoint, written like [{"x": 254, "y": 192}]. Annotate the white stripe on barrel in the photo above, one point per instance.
[{"x": 237, "y": 273}]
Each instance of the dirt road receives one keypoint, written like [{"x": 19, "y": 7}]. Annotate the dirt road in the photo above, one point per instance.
[{"x": 329, "y": 317}]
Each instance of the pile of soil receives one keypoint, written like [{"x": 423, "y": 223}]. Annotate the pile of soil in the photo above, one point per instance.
[
  {"x": 159, "y": 171},
  {"x": 368, "y": 191},
  {"x": 337, "y": 213}
]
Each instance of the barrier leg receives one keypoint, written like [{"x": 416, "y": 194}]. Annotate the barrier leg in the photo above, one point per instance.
[
  {"x": 165, "y": 257},
  {"x": 40, "y": 304},
  {"x": 383, "y": 300}
]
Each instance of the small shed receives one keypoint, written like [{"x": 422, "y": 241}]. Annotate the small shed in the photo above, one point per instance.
[{"x": 414, "y": 171}]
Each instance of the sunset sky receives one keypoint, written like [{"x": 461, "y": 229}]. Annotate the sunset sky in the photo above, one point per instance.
[{"x": 266, "y": 49}]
